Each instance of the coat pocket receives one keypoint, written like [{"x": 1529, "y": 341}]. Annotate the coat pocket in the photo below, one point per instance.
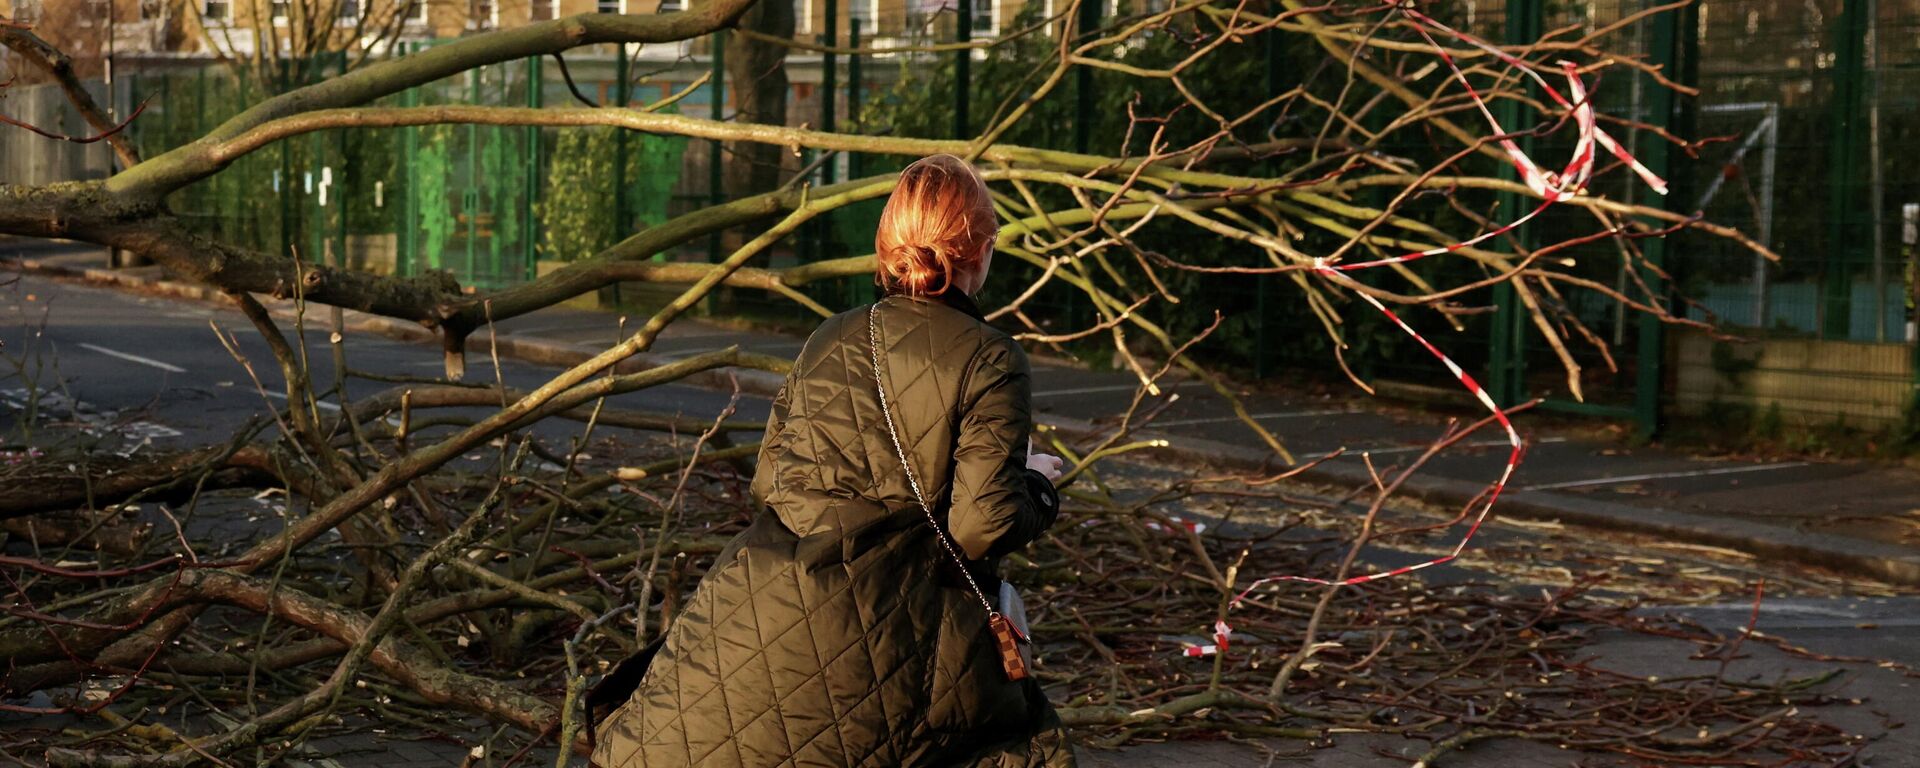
[{"x": 970, "y": 689}]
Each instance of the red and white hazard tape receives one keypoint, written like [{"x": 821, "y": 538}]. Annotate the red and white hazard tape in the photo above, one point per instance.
[
  {"x": 1221, "y": 632},
  {"x": 1552, "y": 188}
]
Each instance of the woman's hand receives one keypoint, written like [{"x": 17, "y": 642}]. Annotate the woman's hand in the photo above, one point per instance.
[{"x": 1048, "y": 465}]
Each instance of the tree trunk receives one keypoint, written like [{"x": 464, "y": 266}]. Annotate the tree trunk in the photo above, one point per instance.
[{"x": 757, "y": 81}]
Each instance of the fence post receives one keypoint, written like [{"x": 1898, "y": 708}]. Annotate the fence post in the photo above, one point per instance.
[
  {"x": 1849, "y": 48},
  {"x": 716, "y": 111},
  {"x": 530, "y": 245},
  {"x": 1506, "y": 358},
  {"x": 962, "y": 70},
  {"x": 854, "y": 84},
  {"x": 470, "y": 197},
  {"x": 822, "y": 227},
  {"x": 349, "y": 171},
  {"x": 1674, "y": 49},
  {"x": 622, "y": 96},
  {"x": 286, "y": 179},
  {"x": 1910, "y": 261},
  {"x": 1087, "y": 21},
  {"x": 1263, "y": 354},
  {"x": 862, "y": 290},
  {"x": 829, "y": 78},
  {"x": 407, "y": 229}
]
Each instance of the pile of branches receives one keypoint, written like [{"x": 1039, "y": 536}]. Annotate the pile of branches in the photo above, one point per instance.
[{"x": 481, "y": 619}]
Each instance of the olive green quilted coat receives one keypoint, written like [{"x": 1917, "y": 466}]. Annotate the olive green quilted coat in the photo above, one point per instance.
[{"x": 834, "y": 631}]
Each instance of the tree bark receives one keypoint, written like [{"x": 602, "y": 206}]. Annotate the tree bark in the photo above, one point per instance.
[{"x": 757, "y": 83}]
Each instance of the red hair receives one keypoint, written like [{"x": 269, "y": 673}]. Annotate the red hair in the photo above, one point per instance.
[{"x": 937, "y": 225}]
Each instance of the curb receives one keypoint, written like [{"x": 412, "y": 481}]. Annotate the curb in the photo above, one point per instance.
[
  {"x": 528, "y": 348},
  {"x": 1860, "y": 557}
]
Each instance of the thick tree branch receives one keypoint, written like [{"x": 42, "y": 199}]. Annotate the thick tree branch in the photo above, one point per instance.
[
  {"x": 191, "y": 162},
  {"x": 57, "y": 64}
]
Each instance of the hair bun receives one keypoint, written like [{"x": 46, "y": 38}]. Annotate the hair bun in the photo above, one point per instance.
[
  {"x": 937, "y": 225},
  {"x": 918, "y": 267}
]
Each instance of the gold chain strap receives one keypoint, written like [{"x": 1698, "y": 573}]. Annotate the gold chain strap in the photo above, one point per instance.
[{"x": 886, "y": 412}]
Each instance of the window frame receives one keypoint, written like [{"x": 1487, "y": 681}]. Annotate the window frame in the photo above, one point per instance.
[
  {"x": 869, "y": 17},
  {"x": 991, "y": 28}
]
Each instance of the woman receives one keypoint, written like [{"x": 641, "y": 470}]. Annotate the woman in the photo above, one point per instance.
[{"x": 838, "y": 629}]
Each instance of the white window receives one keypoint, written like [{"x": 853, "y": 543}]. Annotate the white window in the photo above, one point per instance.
[
  {"x": 922, "y": 13},
  {"x": 611, "y": 6},
  {"x": 984, "y": 14},
  {"x": 215, "y": 10},
  {"x": 349, "y": 9},
  {"x": 802, "y": 17},
  {"x": 417, "y": 12},
  {"x": 867, "y": 12},
  {"x": 540, "y": 10},
  {"x": 279, "y": 11},
  {"x": 672, "y": 6}
]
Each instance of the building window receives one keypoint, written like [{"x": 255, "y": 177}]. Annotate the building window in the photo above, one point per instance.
[
  {"x": 540, "y": 10},
  {"x": 802, "y": 17},
  {"x": 417, "y": 12},
  {"x": 672, "y": 6},
  {"x": 983, "y": 25},
  {"x": 482, "y": 14},
  {"x": 215, "y": 10},
  {"x": 867, "y": 12},
  {"x": 611, "y": 6},
  {"x": 279, "y": 11},
  {"x": 349, "y": 9}
]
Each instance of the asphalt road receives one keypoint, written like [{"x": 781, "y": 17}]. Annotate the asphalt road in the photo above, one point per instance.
[{"x": 153, "y": 370}]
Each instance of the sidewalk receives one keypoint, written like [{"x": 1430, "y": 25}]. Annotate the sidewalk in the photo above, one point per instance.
[{"x": 1815, "y": 513}]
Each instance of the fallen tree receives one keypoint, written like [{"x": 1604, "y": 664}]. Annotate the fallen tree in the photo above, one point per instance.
[{"x": 450, "y": 587}]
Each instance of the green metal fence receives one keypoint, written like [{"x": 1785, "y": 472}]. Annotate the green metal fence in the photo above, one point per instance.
[
  {"x": 487, "y": 203},
  {"x": 1800, "y": 116}
]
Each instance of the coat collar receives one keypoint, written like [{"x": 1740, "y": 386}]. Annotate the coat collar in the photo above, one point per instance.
[{"x": 952, "y": 297}]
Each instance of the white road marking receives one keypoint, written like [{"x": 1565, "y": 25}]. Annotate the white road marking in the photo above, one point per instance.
[
  {"x": 1418, "y": 448},
  {"x": 1111, "y": 388},
  {"x": 133, "y": 358},
  {"x": 1664, "y": 476},
  {"x": 1256, "y": 417},
  {"x": 324, "y": 405},
  {"x": 761, "y": 348}
]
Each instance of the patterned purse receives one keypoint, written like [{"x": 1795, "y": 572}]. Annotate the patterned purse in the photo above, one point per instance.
[{"x": 1007, "y": 638}]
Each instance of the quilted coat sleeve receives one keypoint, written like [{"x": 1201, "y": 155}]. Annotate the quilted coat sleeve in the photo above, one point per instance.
[
  {"x": 765, "y": 475},
  {"x": 996, "y": 506}
]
